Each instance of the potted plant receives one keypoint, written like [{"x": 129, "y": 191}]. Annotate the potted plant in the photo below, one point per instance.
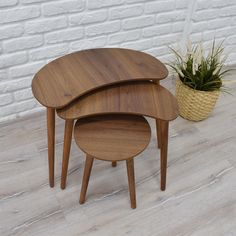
[{"x": 199, "y": 81}]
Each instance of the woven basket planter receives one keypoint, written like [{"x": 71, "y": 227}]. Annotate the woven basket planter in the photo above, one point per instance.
[{"x": 193, "y": 104}]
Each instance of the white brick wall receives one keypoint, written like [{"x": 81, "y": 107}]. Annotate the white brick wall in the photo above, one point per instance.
[{"x": 34, "y": 32}]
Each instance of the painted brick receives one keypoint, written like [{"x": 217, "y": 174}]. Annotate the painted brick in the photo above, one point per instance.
[
  {"x": 8, "y": 3},
  {"x": 19, "y": 14},
  {"x": 220, "y": 33},
  {"x": 3, "y": 74},
  {"x": 181, "y": 4},
  {"x": 157, "y": 30},
  {"x": 41, "y": 26},
  {"x": 13, "y": 85},
  {"x": 218, "y": 23},
  {"x": 196, "y": 37},
  {"x": 166, "y": 58},
  {"x": 11, "y": 31},
  {"x": 13, "y": 59},
  {"x": 88, "y": 18},
  {"x": 135, "y": 1},
  {"x": 203, "y": 4},
  {"x": 48, "y": 52},
  {"x": 140, "y": 45},
  {"x": 32, "y": 1},
  {"x": 178, "y": 27},
  {"x": 95, "y": 4},
  {"x": 166, "y": 39},
  {"x": 89, "y": 43},
  {"x": 158, "y": 51},
  {"x": 206, "y": 36},
  {"x": 160, "y": 6},
  {"x": 64, "y": 36},
  {"x": 220, "y": 3},
  {"x": 17, "y": 107},
  {"x": 25, "y": 70},
  {"x": 105, "y": 28},
  {"x": 124, "y": 37},
  {"x": 199, "y": 26},
  {"x": 22, "y": 43},
  {"x": 5, "y": 99},
  {"x": 61, "y": 7},
  {"x": 228, "y": 11},
  {"x": 23, "y": 94},
  {"x": 231, "y": 59},
  {"x": 172, "y": 16},
  {"x": 204, "y": 15},
  {"x": 125, "y": 12},
  {"x": 139, "y": 22},
  {"x": 233, "y": 21}
]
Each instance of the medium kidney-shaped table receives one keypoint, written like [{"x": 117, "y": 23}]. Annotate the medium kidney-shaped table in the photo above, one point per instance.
[{"x": 102, "y": 81}]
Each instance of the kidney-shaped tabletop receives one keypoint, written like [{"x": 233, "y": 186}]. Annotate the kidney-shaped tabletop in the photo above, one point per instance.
[
  {"x": 140, "y": 98},
  {"x": 63, "y": 80}
]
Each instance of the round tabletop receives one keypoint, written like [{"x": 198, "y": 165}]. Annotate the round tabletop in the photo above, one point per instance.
[
  {"x": 63, "y": 80},
  {"x": 112, "y": 138}
]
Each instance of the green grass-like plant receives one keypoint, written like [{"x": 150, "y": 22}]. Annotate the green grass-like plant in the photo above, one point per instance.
[{"x": 199, "y": 71}]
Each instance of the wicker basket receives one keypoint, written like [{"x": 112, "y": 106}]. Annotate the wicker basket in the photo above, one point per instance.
[{"x": 193, "y": 104}]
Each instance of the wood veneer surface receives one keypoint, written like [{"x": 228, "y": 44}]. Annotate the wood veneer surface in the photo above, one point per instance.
[
  {"x": 112, "y": 138},
  {"x": 66, "y": 78},
  {"x": 140, "y": 98}
]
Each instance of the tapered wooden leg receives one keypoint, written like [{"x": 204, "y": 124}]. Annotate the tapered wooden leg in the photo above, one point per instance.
[
  {"x": 158, "y": 131},
  {"x": 85, "y": 181},
  {"x": 114, "y": 164},
  {"x": 51, "y": 143},
  {"x": 164, "y": 150},
  {"x": 157, "y": 82},
  {"x": 66, "y": 151},
  {"x": 131, "y": 180}
]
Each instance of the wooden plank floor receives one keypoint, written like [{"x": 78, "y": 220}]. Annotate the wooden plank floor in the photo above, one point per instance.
[{"x": 200, "y": 198}]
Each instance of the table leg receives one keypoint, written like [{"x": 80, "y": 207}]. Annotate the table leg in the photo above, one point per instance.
[
  {"x": 87, "y": 171},
  {"x": 131, "y": 181},
  {"x": 51, "y": 143},
  {"x": 156, "y": 82},
  {"x": 66, "y": 151},
  {"x": 164, "y": 150},
  {"x": 114, "y": 164},
  {"x": 158, "y": 131}
]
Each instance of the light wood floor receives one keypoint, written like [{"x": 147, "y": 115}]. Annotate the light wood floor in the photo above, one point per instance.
[{"x": 200, "y": 198}]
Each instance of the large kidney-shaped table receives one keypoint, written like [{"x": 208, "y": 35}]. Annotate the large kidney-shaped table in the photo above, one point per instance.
[{"x": 103, "y": 81}]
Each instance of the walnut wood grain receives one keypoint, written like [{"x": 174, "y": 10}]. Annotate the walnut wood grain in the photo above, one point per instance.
[
  {"x": 86, "y": 177},
  {"x": 51, "y": 143},
  {"x": 131, "y": 182},
  {"x": 112, "y": 138},
  {"x": 164, "y": 127},
  {"x": 158, "y": 132},
  {"x": 114, "y": 164},
  {"x": 140, "y": 98},
  {"x": 66, "y": 151},
  {"x": 66, "y": 78}
]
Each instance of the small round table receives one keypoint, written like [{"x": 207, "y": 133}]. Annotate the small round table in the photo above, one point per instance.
[{"x": 112, "y": 138}]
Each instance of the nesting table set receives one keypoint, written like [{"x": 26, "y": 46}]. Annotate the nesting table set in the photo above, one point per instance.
[{"x": 107, "y": 91}]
